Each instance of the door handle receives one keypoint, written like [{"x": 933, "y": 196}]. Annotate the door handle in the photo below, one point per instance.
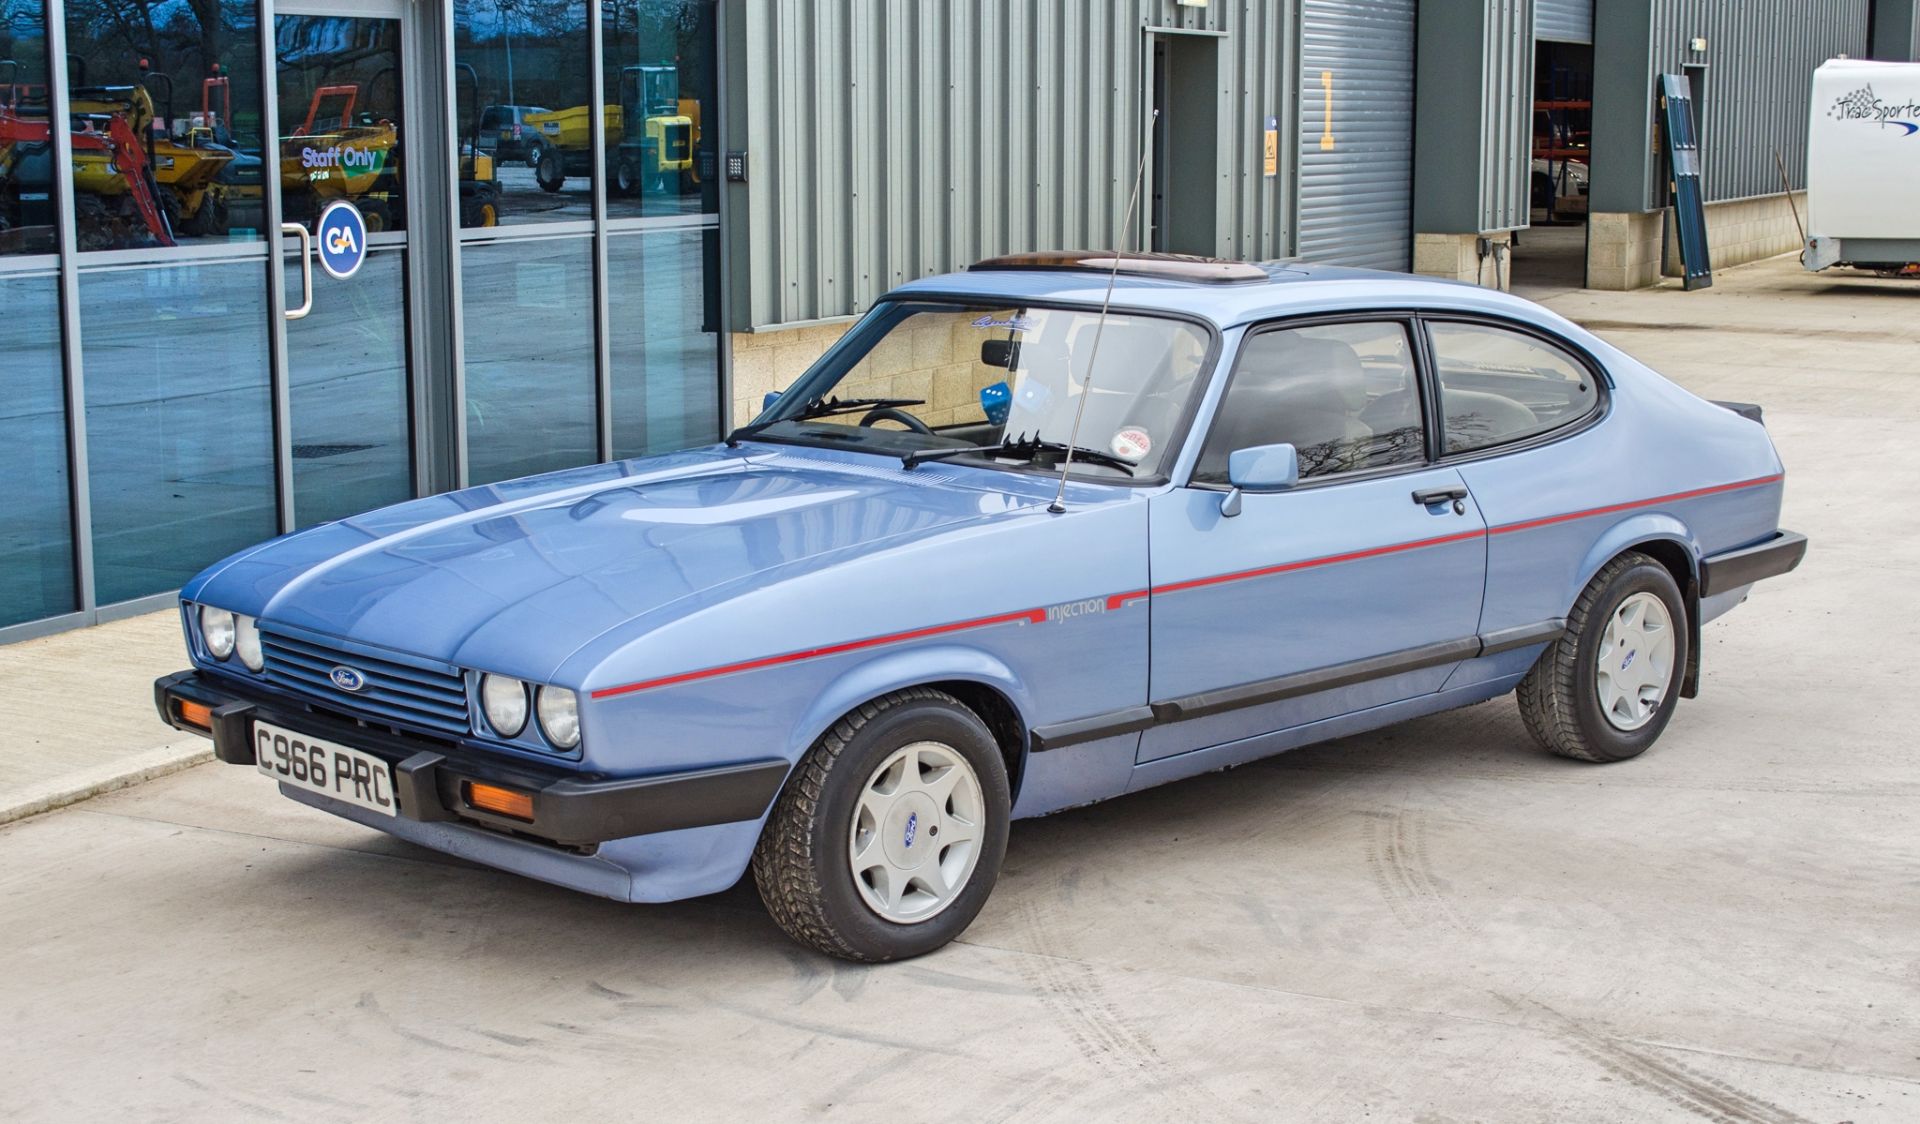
[
  {"x": 1427, "y": 497},
  {"x": 299, "y": 230}
]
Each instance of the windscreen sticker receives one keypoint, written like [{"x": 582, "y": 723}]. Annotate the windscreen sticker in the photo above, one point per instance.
[
  {"x": 1011, "y": 323},
  {"x": 1131, "y": 443}
]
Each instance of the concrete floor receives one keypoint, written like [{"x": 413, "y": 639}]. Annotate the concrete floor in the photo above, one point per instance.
[{"x": 1434, "y": 922}]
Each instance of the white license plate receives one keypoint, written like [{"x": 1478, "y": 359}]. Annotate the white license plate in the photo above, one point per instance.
[{"x": 307, "y": 762}]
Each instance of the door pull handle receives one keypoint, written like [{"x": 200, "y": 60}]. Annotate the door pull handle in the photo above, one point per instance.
[
  {"x": 1427, "y": 497},
  {"x": 299, "y": 230}
]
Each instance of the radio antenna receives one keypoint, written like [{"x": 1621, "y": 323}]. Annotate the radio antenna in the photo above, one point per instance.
[{"x": 1059, "y": 503}]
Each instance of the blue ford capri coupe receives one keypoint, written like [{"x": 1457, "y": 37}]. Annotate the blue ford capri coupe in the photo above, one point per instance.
[{"x": 996, "y": 554}]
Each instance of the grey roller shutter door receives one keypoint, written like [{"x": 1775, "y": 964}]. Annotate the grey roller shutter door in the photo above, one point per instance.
[
  {"x": 1563, "y": 21},
  {"x": 1356, "y": 162}
]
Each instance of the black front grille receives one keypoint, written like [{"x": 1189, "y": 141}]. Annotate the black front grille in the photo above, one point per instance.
[{"x": 406, "y": 690}]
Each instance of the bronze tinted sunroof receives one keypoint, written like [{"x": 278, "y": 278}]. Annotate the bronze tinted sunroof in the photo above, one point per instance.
[{"x": 1173, "y": 267}]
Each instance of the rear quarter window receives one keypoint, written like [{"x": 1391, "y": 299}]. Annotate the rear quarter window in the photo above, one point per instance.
[{"x": 1499, "y": 386}]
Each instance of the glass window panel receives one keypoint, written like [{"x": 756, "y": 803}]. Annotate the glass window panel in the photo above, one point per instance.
[
  {"x": 179, "y": 441},
  {"x": 347, "y": 368},
  {"x": 663, "y": 305},
  {"x": 523, "y": 70},
  {"x": 660, "y": 80},
  {"x": 340, "y": 119},
  {"x": 26, "y": 146},
  {"x": 1345, "y": 396},
  {"x": 528, "y": 307},
  {"x": 1498, "y": 385},
  {"x": 36, "y": 532},
  {"x": 166, "y": 122}
]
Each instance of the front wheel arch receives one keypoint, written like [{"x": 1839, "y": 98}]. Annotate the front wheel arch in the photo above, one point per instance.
[{"x": 978, "y": 679}]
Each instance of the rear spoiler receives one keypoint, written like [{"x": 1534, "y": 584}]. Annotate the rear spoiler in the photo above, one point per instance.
[{"x": 1746, "y": 410}]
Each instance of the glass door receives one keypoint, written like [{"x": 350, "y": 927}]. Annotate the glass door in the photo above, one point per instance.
[{"x": 343, "y": 132}]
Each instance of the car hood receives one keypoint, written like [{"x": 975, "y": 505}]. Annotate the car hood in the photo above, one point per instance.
[{"x": 514, "y": 578}]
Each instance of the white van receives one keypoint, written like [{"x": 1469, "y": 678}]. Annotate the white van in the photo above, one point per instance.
[{"x": 1863, "y": 166}]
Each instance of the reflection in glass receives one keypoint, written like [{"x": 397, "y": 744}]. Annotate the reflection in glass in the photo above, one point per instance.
[
  {"x": 660, "y": 79},
  {"x": 663, "y": 305},
  {"x": 340, "y": 124},
  {"x": 528, "y": 307},
  {"x": 517, "y": 58},
  {"x": 347, "y": 366},
  {"x": 36, "y": 534},
  {"x": 165, "y": 100},
  {"x": 179, "y": 444},
  {"x": 26, "y": 145}
]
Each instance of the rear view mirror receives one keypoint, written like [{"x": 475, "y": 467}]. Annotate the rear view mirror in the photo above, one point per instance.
[
  {"x": 999, "y": 353},
  {"x": 1262, "y": 468}
]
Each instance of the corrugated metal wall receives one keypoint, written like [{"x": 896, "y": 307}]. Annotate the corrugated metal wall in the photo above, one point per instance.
[
  {"x": 1563, "y": 21},
  {"x": 888, "y": 141},
  {"x": 1506, "y": 106},
  {"x": 1356, "y": 132},
  {"x": 1761, "y": 55}
]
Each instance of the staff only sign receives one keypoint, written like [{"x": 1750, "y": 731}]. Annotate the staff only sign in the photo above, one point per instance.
[{"x": 343, "y": 239}]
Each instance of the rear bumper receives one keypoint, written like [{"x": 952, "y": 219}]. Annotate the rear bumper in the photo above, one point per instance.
[
  {"x": 430, "y": 776},
  {"x": 1769, "y": 558}
]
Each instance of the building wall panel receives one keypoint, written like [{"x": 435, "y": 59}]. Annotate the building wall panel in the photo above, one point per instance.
[
  {"x": 1761, "y": 55},
  {"x": 889, "y": 141}
]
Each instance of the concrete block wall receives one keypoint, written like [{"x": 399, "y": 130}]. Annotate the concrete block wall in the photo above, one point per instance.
[
  {"x": 935, "y": 359},
  {"x": 1623, "y": 249},
  {"x": 1456, "y": 257},
  {"x": 768, "y": 361},
  {"x": 1745, "y": 230}
]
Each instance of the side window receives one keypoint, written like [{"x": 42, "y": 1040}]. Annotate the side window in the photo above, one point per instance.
[
  {"x": 1498, "y": 385},
  {"x": 1344, "y": 395}
]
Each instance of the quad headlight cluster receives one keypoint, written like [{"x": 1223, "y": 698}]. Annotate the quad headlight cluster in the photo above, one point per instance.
[
  {"x": 227, "y": 634},
  {"x": 504, "y": 701},
  {"x": 507, "y": 703}
]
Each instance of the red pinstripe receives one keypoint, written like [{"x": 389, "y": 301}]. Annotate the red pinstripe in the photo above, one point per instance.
[
  {"x": 1121, "y": 600},
  {"x": 1025, "y": 616}
]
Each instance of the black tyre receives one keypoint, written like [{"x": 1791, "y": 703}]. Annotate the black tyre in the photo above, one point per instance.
[
  {"x": 626, "y": 178},
  {"x": 1606, "y": 689},
  {"x": 552, "y": 172},
  {"x": 891, "y": 831}
]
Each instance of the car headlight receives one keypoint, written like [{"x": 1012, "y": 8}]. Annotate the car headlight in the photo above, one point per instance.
[
  {"x": 246, "y": 641},
  {"x": 559, "y": 711},
  {"x": 504, "y": 701},
  {"x": 216, "y": 631}
]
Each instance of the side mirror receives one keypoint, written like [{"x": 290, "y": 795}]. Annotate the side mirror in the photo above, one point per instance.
[
  {"x": 1263, "y": 468},
  {"x": 768, "y": 399}
]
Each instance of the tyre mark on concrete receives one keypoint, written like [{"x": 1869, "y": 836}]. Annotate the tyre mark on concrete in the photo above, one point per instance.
[
  {"x": 1402, "y": 869},
  {"x": 1076, "y": 998},
  {"x": 1679, "y": 1085}
]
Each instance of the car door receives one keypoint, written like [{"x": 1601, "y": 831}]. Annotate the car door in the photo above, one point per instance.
[{"x": 1360, "y": 586}]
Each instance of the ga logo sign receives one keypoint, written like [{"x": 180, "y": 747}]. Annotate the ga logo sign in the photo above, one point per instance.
[{"x": 343, "y": 239}]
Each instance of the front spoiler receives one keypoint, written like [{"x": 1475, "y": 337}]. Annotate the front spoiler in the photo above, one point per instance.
[{"x": 569, "y": 809}]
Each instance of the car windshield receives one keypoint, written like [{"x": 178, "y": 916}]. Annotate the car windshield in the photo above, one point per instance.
[{"x": 920, "y": 378}]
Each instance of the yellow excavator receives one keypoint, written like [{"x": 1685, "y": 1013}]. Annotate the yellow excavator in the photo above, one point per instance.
[
  {"x": 188, "y": 160},
  {"x": 656, "y": 157},
  {"x": 336, "y": 154}
]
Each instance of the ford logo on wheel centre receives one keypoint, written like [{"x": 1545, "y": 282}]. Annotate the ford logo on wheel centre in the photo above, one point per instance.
[{"x": 347, "y": 679}]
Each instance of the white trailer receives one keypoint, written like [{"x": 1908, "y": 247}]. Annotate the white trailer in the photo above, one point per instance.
[{"x": 1863, "y": 166}]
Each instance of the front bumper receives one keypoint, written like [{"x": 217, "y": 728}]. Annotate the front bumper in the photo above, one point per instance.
[{"x": 430, "y": 776}]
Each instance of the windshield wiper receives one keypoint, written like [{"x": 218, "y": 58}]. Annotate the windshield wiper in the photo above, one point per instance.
[
  {"x": 1030, "y": 448},
  {"x": 822, "y": 408}
]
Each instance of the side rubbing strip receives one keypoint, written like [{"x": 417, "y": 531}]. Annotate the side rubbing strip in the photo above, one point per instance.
[
  {"x": 1526, "y": 635},
  {"x": 1063, "y": 734},
  {"x": 1320, "y": 679},
  {"x": 1264, "y": 691}
]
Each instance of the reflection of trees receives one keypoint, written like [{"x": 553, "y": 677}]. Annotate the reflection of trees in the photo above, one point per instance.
[{"x": 182, "y": 38}]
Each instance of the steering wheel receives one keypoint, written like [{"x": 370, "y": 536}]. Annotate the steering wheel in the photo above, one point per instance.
[{"x": 894, "y": 413}]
